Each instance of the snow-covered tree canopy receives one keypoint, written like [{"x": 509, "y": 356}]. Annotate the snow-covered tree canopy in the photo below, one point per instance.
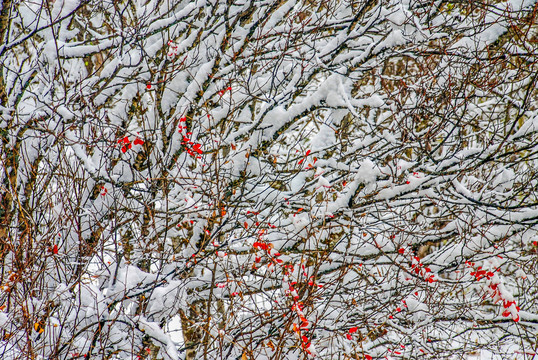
[{"x": 268, "y": 179}]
